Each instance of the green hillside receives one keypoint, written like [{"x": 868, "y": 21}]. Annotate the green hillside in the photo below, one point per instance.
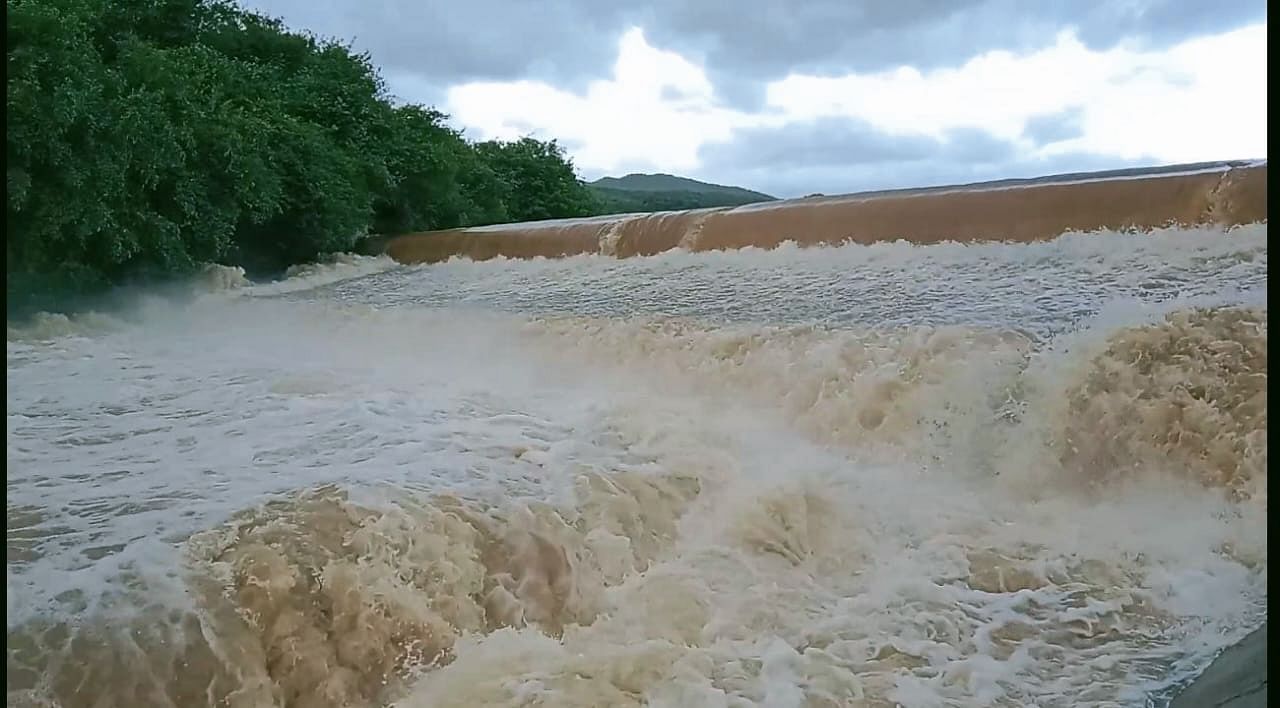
[{"x": 662, "y": 192}]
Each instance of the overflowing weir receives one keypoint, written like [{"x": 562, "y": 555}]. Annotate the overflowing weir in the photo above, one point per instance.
[
  {"x": 960, "y": 474},
  {"x": 1223, "y": 193}
]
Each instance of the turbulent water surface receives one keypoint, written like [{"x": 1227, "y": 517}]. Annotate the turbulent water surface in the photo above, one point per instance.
[{"x": 884, "y": 475}]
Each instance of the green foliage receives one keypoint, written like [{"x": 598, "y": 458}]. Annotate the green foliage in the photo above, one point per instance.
[
  {"x": 537, "y": 180},
  {"x": 146, "y": 137},
  {"x": 438, "y": 180}
]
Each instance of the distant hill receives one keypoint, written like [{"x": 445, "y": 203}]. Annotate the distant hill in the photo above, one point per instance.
[{"x": 661, "y": 192}]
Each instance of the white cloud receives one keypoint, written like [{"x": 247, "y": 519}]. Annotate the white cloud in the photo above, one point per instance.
[
  {"x": 655, "y": 112},
  {"x": 1204, "y": 99}
]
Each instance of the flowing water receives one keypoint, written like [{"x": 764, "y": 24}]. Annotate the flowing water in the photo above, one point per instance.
[{"x": 948, "y": 475}]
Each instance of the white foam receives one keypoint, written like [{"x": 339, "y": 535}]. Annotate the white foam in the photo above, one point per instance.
[{"x": 817, "y": 562}]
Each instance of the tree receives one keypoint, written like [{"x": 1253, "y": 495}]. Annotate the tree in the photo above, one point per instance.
[
  {"x": 146, "y": 137},
  {"x": 537, "y": 180}
]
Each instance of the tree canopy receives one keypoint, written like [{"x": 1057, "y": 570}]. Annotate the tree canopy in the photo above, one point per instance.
[{"x": 146, "y": 137}]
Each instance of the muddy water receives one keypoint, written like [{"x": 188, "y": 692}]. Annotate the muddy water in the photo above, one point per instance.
[
  {"x": 1020, "y": 211},
  {"x": 997, "y": 474}
]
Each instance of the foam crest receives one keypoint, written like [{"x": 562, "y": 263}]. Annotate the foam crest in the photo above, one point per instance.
[
  {"x": 758, "y": 613},
  {"x": 50, "y": 326},
  {"x": 336, "y": 602},
  {"x": 217, "y": 278},
  {"x": 334, "y": 268},
  {"x": 1187, "y": 393}
]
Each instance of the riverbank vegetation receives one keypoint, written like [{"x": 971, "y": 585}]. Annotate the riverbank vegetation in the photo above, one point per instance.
[{"x": 148, "y": 137}]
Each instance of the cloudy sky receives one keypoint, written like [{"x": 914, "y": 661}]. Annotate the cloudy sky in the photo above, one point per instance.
[{"x": 792, "y": 97}]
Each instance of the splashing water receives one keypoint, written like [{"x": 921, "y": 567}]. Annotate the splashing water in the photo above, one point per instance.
[{"x": 860, "y": 476}]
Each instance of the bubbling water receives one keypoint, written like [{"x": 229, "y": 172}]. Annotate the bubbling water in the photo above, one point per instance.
[{"x": 342, "y": 495}]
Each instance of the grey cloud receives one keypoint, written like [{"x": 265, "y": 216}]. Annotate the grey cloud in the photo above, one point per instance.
[
  {"x": 672, "y": 94},
  {"x": 1173, "y": 78},
  {"x": 565, "y": 42},
  {"x": 836, "y": 157},
  {"x": 1161, "y": 22},
  {"x": 846, "y": 143},
  {"x": 744, "y": 44},
  {"x": 1055, "y": 127},
  {"x": 767, "y": 40},
  {"x": 975, "y": 147},
  {"x": 821, "y": 142},
  {"x": 830, "y": 179},
  {"x": 411, "y": 88}
]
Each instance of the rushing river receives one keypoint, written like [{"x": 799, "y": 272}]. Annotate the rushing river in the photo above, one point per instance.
[{"x": 996, "y": 474}]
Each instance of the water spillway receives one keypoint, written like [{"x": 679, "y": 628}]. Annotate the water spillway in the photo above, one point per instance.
[
  {"x": 1224, "y": 194},
  {"x": 974, "y": 472}
]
